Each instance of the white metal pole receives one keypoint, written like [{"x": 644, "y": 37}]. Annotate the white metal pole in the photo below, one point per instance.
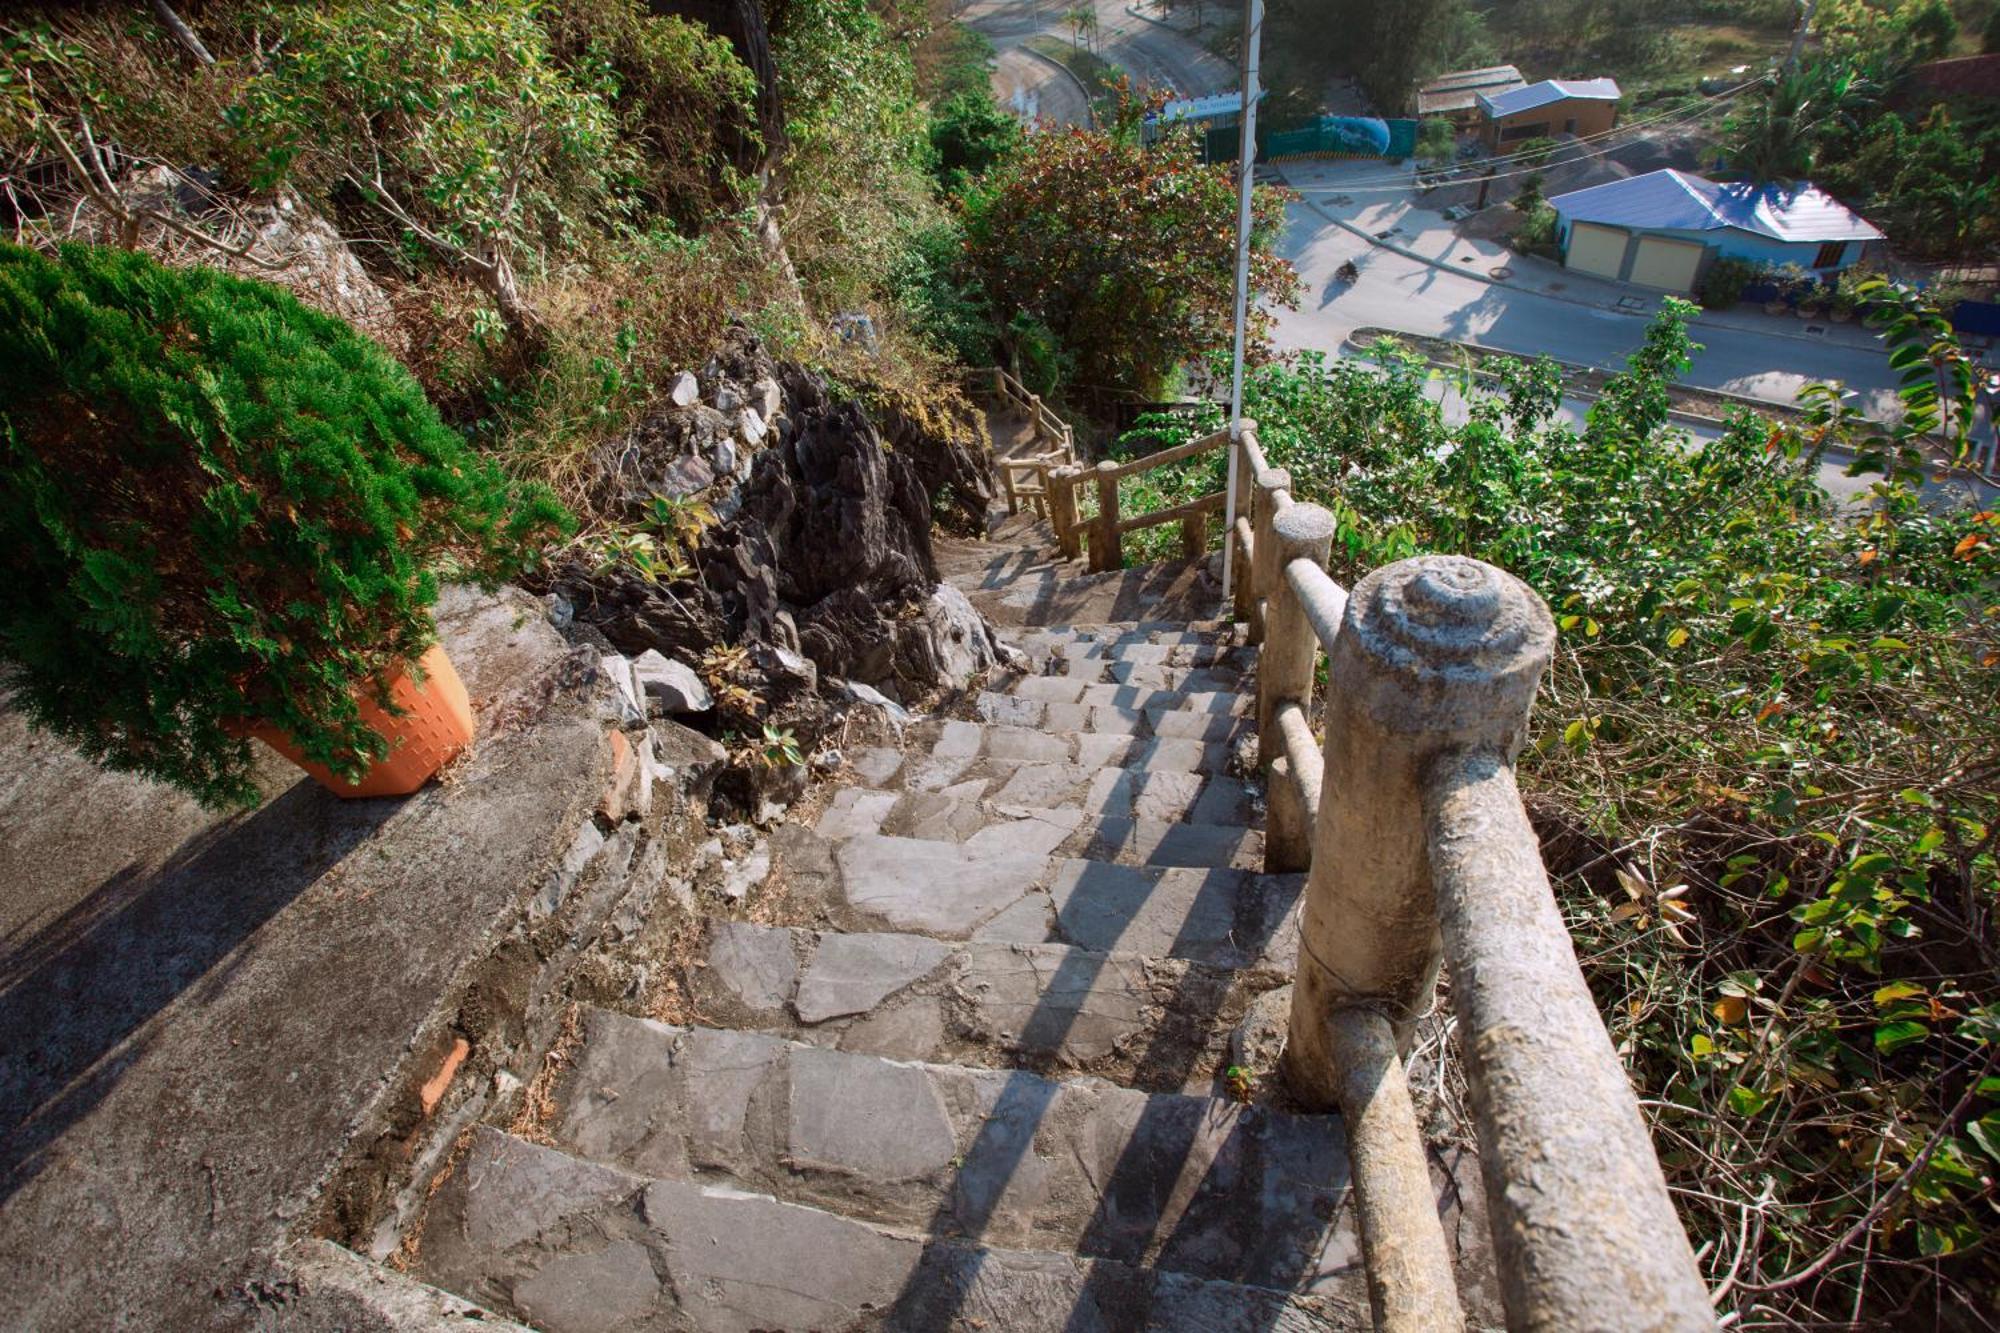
[{"x": 1253, "y": 35}]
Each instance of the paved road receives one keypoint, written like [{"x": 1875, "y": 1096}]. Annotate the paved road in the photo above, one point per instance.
[
  {"x": 1035, "y": 89},
  {"x": 1411, "y": 295}
]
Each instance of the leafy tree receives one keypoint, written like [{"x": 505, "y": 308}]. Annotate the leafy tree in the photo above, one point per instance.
[
  {"x": 970, "y": 134},
  {"x": 452, "y": 120},
  {"x": 857, "y": 167},
  {"x": 217, "y": 505},
  {"x": 1435, "y": 139},
  {"x": 1777, "y": 138},
  {"x": 1125, "y": 251}
]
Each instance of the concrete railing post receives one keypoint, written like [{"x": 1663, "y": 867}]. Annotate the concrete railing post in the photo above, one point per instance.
[
  {"x": 1035, "y": 416},
  {"x": 1435, "y": 654},
  {"x": 1194, "y": 536},
  {"x": 1263, "y": 575},
  {"x": 1286, "y": 660},
  {"x": 1245, "y": 592},
  {"x": 1062, "y": 510},
  {"x": 1107, "y": 547}
]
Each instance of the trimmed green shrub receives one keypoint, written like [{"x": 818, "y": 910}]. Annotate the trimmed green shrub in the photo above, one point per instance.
[
  {"x": 217, "y": 505},
  {"x": 1726, "y": 281}
]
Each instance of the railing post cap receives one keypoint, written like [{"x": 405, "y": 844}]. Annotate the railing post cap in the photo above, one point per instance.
[
  {"x": 1303, "y": 528},
  {"x": 1447, "y": 645},
  {"x": 1274, "y": 479},
  {"x": 1106, "y": 465}
]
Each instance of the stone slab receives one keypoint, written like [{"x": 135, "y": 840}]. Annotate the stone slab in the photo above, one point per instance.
[
  {"x": 851, "y": 974},
  {"x": 735, "y": 1261},
  {"x": 1195, "y": 1185},
  {"x": 932, "y": 888},
  {"x": 1225, "y": 918}
]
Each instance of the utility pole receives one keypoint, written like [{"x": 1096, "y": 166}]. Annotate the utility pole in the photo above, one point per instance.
[
  {"x": 1806, "y": 9},
  {"x": 1253, "y": 35}
]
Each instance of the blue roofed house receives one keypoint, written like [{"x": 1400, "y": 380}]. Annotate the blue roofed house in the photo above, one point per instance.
[{"x": 1665, "y": 228}]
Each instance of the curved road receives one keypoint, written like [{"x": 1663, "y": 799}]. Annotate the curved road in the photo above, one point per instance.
[{"x": 1035, "y": 89}]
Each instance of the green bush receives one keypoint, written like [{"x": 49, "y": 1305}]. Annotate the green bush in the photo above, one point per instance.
[
  {"x": 1725, "y": 282},
  {"x": 1537, "y": 233},
  {"x": 219, "y": 505}
]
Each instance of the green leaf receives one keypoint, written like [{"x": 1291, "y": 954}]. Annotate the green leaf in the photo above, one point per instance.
[
  {"x": 1747, "y": 1101},
  {"x": 1985, "y": 1132},
  {"x": 1893, "y": 1037},
  {"x": 1677, "y": 636}
]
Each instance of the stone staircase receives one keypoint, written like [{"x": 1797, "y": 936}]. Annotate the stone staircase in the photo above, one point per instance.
[{"x": 959, "y": 1062}]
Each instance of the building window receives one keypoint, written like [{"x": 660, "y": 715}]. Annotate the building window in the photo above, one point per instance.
[
  {"x": 1829, "y": 254},
  {"x": 1512, "y": 133},
  {"x": 1569, "y": 126}
]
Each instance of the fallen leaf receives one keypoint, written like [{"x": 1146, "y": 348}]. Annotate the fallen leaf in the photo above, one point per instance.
[{"x": 1731, "y": 1009}]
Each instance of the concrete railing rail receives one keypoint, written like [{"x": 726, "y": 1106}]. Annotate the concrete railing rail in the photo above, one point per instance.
[{"x": 1419, "y": 853}]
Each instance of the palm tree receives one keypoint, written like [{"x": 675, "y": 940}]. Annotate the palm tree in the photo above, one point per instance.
[{"x": 1777, "y": 140}]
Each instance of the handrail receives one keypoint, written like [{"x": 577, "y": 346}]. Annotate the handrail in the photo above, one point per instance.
[
  {"x": 1030, "y": 475},
  {"x": 1206, "y": 504},
  {"x": 1418, "y": 851},
  {"x": 1173, "y": 455}
]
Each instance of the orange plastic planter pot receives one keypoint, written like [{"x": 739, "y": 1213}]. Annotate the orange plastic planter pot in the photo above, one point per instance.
[{"x": 435, "y": 725}]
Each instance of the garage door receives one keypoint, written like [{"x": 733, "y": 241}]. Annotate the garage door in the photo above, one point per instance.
[
  {"x": 1668, "y": 265},
  {"x": 1595, "y": 249}
]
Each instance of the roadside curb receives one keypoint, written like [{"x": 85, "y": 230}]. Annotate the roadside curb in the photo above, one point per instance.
[
  {"x": 1089, "y": 106},
  {"x": 1443, "y": 267},
  {"x": 1680, "y": 414}
]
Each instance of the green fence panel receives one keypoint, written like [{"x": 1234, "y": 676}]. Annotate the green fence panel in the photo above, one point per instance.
[{"x": 1340, "y": 136}]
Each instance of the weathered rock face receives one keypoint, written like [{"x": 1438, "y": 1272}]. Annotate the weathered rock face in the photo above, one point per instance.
[{"x": 820, "y": 561}]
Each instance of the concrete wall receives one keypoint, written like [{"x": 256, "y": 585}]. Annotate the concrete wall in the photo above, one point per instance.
[
  {"x": 1730, "y": 243},
  {"x": 1591, "y": 116}
]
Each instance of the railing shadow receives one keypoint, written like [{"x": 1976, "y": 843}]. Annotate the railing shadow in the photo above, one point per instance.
[{"x": 1224, "y": 1231}]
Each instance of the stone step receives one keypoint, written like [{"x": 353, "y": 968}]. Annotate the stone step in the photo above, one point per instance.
[
  {"x": 573, "y": 1246},
  {"x": 1156, "y": 1023},
  {"x": 1123, "y": 710},
  {"x": 997, "y": 886},
  {"x": 1106, "y": 792},
  {"x": 1196, "y": 1185},
  {"x": 1068, "y": 688},
  {"x": 1208, "y": 751},
  {"x": 950, "y": 816}
]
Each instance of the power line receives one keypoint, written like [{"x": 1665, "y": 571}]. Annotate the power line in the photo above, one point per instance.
[{"x": 1387, "y": 184}]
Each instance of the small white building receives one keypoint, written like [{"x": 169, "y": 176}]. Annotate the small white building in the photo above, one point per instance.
[{"x": 1664, "y": 229}]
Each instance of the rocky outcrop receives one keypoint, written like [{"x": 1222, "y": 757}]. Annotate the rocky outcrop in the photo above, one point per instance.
[{"x": 818, "y": 560}]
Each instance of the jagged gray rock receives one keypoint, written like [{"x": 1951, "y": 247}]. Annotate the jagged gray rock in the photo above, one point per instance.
[{"x": 673, "y": 686}]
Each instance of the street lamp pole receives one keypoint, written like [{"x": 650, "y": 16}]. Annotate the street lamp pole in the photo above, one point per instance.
[{"x": 1253, "y": 33}]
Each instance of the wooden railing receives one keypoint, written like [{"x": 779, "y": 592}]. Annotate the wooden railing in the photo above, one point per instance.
[
  {"x": 1027, "y": 477},
  {"x": 1419, "y": 853}
]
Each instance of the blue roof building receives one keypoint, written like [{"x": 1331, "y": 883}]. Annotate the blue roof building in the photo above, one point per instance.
[{"x": 1664, "y": 229}]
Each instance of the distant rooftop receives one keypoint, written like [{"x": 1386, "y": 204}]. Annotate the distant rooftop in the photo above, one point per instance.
[
  {"x": 1547, "y": 93},
  {"x": 1670, "y": 200},
  {"x": 1460, "y": 89}
]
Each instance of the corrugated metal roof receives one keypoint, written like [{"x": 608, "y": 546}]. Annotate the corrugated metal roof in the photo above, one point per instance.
[
  {"x": 1451, "y": 99},
  {"x": 1672, "y": 200},
  {"x": 1490, "y": 76},
  {"x": 1547, "y": 93}
]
